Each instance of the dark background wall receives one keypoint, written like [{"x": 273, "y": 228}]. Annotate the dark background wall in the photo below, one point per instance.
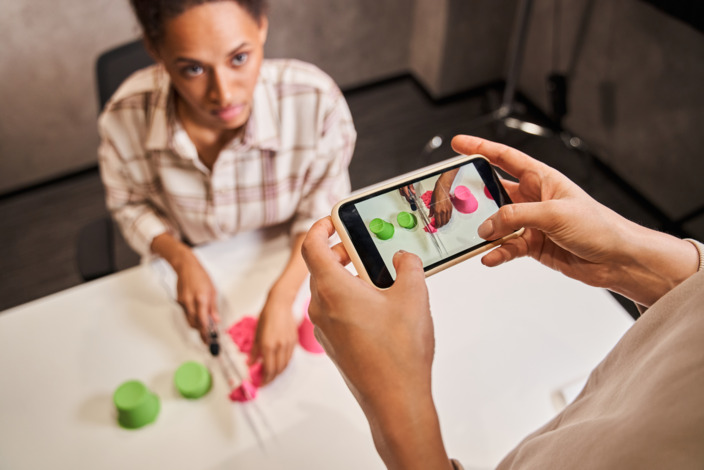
[
  {"x": 49, "y": 106},
  {"x": 635, "y": 74},
  {"x": 636, "y": 95}
]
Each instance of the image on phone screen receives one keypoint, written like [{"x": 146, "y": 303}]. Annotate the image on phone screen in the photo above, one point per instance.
[{"x": 435, "y": 217}]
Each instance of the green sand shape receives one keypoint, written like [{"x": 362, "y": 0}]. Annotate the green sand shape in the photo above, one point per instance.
[
  {"x": 192, "y": 379},
  {"x": 136, "y": 405},
  {"x": 381, "y": 229},
  {"x": 406, "y": 220}
]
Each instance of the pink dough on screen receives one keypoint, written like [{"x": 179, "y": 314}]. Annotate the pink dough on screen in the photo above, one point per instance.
[
  {"x": 245, "y": 392},
  {"x": 306, "y": 336},
  {"x": 242, "y": 333},
  {"x": 487, "y": 193},
  {"x": 427, "y": 198},
  {"x": 432, "y": 227},
  {"x": 464, "y": 201}
]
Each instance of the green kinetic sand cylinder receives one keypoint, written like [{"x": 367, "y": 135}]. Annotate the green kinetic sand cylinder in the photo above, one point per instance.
[
  {"x": 406, "y": 220},
  {"x": 381, "y": 229},
  {"x": 192, "y": 379},
  {"x": 136, "y": 405}
]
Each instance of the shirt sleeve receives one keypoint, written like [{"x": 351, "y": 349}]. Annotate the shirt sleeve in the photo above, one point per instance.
[
  {"x": 327, "y": 180},
  {"x": 127, "y": 187}
]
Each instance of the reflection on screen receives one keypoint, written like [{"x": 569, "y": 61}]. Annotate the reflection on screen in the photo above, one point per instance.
[{"x": 435, "y": 218}]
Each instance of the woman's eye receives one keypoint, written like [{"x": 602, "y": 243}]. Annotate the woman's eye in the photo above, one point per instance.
[
  {"x": 192, "y": 70},
  {"x": 240, "y": 59}
]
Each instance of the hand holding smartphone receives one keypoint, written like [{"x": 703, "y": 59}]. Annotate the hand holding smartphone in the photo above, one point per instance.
[{"x": 434, "y": 214}]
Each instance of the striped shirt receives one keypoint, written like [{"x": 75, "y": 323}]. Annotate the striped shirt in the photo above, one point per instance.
[{"x": 289, "y": 165}]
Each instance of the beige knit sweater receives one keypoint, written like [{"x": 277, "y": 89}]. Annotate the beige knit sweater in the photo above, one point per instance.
[{"x": 643, "y": 405}]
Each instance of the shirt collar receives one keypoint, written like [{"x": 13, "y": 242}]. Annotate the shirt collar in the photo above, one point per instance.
[{"x": 262, "y": 131}]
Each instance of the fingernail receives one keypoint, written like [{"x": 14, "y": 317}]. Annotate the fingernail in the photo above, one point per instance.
[
  {"x": 486, "y": 229},
  {"x": 402, "y": 251}
]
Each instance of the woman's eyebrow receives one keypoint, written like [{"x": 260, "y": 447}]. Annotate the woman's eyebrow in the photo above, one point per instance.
[
  {"x": 238, "y": 48},
  {"x": 231, "y": 53}
]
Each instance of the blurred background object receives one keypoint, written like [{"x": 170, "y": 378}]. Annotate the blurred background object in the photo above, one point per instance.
[{"x": 625, "y": 77}]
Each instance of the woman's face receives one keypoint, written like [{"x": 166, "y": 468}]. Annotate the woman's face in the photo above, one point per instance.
[{"x": 213, "y": 53}]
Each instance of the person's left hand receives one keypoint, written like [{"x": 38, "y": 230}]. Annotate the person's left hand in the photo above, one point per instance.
[
  {"x": 275, "y": 338},
  {"x": 440, "y": 203},
  {"x": 441, "y": 207}
]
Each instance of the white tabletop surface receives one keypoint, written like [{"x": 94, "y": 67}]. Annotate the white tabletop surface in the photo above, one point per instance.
[{"x": 506, "y": 339}]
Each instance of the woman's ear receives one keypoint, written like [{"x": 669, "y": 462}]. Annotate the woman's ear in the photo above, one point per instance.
[{"x": 151, "y": 49}]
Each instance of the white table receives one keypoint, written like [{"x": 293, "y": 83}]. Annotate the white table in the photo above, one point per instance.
[{"x": 507, "y": 338}]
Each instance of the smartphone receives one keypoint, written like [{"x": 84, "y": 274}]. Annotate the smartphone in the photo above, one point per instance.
[{"x": 433, "y": 213}]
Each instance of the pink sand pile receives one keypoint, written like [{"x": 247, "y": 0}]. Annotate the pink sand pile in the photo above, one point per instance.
[
  {"x": 243, "y": 333},
  {"x": 245, "y": 392},
  {"x": 427, "y": 198},
  {"x": 432, "y": 227}
]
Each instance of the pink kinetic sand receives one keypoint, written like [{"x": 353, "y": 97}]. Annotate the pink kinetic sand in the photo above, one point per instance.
[
  {"x": 427, "y": 197},
  {"x": 255, "y": 374},
  {"x": 432, "y": 226},
  {"x": 244, "y": 392},
  {"x": 242, "y": 333},
  {"x": 306, "y": 337},
  {"x": 464, "y": 201},
  {"x": 487, "y": 193}
]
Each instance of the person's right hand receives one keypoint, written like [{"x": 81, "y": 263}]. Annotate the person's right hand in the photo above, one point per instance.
[
  {"x": 197, "y": 295},
  {"x": 567, "y": 230}
]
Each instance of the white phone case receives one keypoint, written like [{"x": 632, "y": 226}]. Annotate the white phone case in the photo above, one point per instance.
[{"x": 390, "y": 184}]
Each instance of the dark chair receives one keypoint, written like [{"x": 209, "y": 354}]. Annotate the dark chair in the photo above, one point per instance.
[
  {"x": 115, "y": 65},
  {"x": 101, "y": 250},
  {"x": 95, "y": 249}
]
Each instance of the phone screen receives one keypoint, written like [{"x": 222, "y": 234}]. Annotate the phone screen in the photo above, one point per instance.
[{"x": 435, "y": 217}]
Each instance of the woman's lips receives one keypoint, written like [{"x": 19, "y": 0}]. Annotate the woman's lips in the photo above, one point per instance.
[{"x": 228, "y": 113}]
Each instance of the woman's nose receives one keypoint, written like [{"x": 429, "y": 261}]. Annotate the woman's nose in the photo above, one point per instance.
[{"x": 219, "y": 89}]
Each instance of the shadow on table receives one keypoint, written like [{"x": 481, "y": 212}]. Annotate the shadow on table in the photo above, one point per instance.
[
  {"x": 98, "y": 410},
  {"x": 325, "y": 439}
]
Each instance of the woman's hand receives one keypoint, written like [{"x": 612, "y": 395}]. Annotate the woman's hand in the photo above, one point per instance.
[
  {"x": 277, "y": 332},
  {"x": 567, "y": 230},
  {"x": 441, "y": 207},
  {"x": 197, "y": 296},
  {"x": 195, "y": 291},
  {"x": 275, "y": 339},
  {"x": 440, "y": 204}
]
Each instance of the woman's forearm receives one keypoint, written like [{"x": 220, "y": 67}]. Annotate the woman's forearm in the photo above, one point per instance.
[
  {"x": 174, "y": 251},
  {"x": 291, "y": 279},
  {"x": 407, "y": 433},
  {"x": 654, "y": 263}
]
